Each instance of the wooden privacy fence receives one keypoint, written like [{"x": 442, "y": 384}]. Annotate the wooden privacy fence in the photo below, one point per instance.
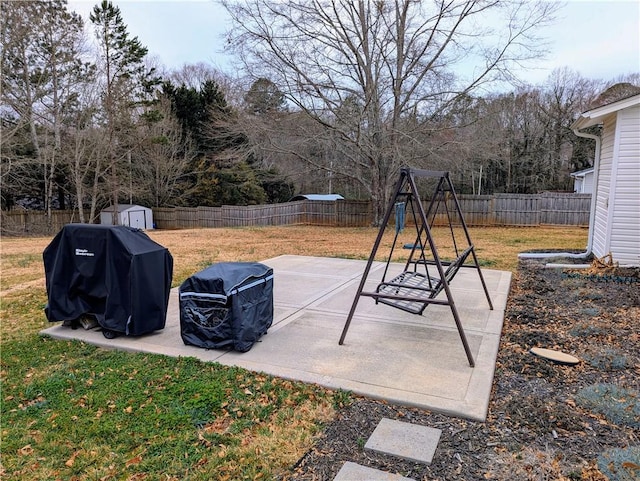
[
  {"x": 565, "y": 209},
  {"x": 35, "y": 222},
  {"x": 548, "y": 208},
  {"x": 478, "y": 210},
  {"x": 350, "y": 213}
]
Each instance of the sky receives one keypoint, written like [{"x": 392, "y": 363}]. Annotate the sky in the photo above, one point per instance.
[{"x": 600, "y": 39}]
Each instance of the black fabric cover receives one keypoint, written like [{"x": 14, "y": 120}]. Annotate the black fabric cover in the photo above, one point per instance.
[
  {"x": 116, "y": 273},
  {"x": 227, "y": 306}
]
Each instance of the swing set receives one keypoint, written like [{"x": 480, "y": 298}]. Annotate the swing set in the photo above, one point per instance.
[{"x": 425, "y": 274}]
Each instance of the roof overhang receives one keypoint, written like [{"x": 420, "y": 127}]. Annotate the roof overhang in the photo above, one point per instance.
[
  {"x": 595, "y": 116},
  {"x": 582, "y": 173}
]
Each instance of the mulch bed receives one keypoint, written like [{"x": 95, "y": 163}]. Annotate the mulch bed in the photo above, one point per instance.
[{"x": 546, "y": 421}]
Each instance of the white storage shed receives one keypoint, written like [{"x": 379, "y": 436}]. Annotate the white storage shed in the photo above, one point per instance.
[
  {"x": 583, "y": 181},
  {"x": 130, "y": 215},
  {"x": 614, "y": 225}
]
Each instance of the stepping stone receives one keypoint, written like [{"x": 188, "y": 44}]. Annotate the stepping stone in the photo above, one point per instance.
[
  {"x": 404, "y": 440},
  {"x": 354, "y": 472},
  {"x": 558, "y": 357}
]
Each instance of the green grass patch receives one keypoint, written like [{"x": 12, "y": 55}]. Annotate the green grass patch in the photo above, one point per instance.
[
  {"x": 20, "y": 268},
  {"x": 516, "y": 242},
  {"x": 487, "y": 262},
  {"x": 21, "y": 260},
  {"x": 22, "y": 314},
  {"x": 79, "y": 411},
  {"x": 203, "y": 264}
]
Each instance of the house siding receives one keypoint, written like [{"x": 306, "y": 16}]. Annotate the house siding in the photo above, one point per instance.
[
  {"x": 601, "y": 223},
  {"x": 625, "y": 219}
]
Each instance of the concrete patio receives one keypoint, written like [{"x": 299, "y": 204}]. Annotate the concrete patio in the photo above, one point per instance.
[{"x": 388, "y": 353}]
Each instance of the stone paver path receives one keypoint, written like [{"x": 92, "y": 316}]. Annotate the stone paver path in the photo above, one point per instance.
[
  {"x": 404, "y": 440},
  {"x": 354, "y": 472},
  {"x": 394, "y": 438}
]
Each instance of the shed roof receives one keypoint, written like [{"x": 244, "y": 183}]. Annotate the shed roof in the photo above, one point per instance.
[
  {"x": 124, "y": 207},
  {"x": 582, "y": 173},
  {"x": 316, "y": 197}
]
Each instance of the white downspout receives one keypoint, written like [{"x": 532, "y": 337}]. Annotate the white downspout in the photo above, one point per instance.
[{"x": 592, "y": 212}]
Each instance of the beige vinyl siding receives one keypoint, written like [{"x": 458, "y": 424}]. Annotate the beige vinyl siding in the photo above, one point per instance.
[
  {"x": 625, "y": 221},
  {"x": 600, "y": 225}
]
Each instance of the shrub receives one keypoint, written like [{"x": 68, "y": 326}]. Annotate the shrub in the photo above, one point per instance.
[
  {"x": 585, "y": 329},
  {"x": 620, "y": 464},
  {"x": 620, "y": 406},
  {"x": 608, "y": 359},
  {"x": 591, "y": 311}
]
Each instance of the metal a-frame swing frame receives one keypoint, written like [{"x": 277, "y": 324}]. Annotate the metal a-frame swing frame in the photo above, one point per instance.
[{"x": 413, "y": 291}]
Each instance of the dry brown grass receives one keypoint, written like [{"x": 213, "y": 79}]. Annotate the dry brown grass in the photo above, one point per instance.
[
  {"x": 496, "y": 247},
  {"x": 22, "y": 272},
  {"x": 194, "y": 249}
]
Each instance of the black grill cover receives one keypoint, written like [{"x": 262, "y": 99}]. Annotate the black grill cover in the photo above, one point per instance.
[
  {"x": 227, "y": 306},
  {"x": 116, "y": 273}
]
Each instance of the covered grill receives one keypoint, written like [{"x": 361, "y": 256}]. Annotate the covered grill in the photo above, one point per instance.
[
  {"x": 227, "y": 306},
  {"x": 115, "y": 273}
]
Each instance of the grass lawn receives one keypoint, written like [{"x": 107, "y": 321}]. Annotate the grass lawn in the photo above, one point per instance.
[{"x": 73, "y": 411}]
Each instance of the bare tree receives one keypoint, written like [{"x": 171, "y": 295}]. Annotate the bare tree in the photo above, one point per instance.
[
  {"x": 565, "y": 95},
  {"x": 521, "y": 141},
  {"x": 19, "y": 93},
  {"x": 86, "y": 148},
  {"x": 393, "y": 61},
  {"x": 162, "y": 157},
  {"x": 43, "y": 47},
  {"x": 193, "y": 75}
]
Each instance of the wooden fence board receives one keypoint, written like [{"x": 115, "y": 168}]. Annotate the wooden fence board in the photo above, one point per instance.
[
  {"x": 210, "y": 216},
  {"x": 187, "y": 217}
]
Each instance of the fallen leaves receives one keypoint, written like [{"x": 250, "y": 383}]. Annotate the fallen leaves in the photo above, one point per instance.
[
  {"x": 133, "y": 461},
  {"x": 25, "y": 450},
  {"x": 219, "y": 426},
  {"x": 72, "y": 460}
]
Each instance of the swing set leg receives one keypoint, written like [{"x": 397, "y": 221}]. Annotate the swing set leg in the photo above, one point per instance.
[
  {"x": 376, "y": 245},
  {"x": 463, "y": 337}
]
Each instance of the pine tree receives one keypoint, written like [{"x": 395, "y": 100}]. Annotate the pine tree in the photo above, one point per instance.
[
  {"x": 127, "y": 82},
  {"x": 264, "y": 97}
]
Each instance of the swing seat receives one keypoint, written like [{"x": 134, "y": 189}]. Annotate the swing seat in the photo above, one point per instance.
[{"x": 414, "y": 289}]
